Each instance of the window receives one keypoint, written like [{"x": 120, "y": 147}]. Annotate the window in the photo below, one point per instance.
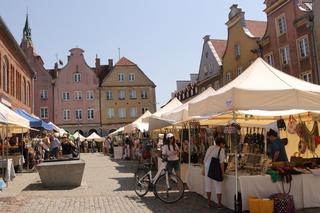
[
  {"x": 110, "y": 113},
  {"x": 90, "y": 95},
  {"x": 77, "y": 77},
  {"x": 269, "y": 59},
  {"x": 121, "y": 95},
  {"x": 237, "y": 50},
  {"x": 133, "y": 112},
  {"x": 109, "y": 95},
  {"x": 307, "y": 76},
  {"x": 228, "y": 77},
  {"x": 78, "y": 95},
  {"x": 239, "y": 70},
  {"x": 122, "y": 113},
  {"x": 133, "y": 94},
  {"x": 144, "y": 109},
  {"x": 284, "y": 53},
  {"x": 78, "y": 114},
  {"x": 144, "y": 94},
  {"x": 5, "y": 74},
  {"x": 131, "y": 77},
  {"x": 303, "y": 47},
  {"x": 43, "y": 112},
  {"x": 90, "y": 114},
  {"x": 121, "y": 76},
  {"x": 65, "y": 96},
  {"x": 66, "y": 114},
  {"x": 43, "y": 94},
  {"x": 281, "y": 25}
]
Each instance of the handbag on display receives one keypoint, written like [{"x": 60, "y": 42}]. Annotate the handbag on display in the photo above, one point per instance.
[
  {"x": 292, "y": 125},
  {"x": 281, "y": 124},
  {"x": 214, "y": 171},
  {"x": 283, "y": 202},
  {"x": 194, "y": 157}
]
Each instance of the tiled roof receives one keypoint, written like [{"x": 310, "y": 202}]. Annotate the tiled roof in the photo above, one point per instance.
[
  {"x": 124, "y": 62},
  {"x": 219, "y": 45},
  {"x": 256, "y": 28}
]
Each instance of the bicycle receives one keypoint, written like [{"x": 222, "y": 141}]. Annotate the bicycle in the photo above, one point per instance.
[{"x": 166, "y": 186}]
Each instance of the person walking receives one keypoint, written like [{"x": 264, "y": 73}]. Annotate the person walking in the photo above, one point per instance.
[
  {"x": 216, "y": 151},
  {"x": 171, "y": 150}
]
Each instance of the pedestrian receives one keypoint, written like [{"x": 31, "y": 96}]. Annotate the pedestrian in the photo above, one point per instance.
[
  {"x": 277, "y": 150},
  {"x": 214, "y": 151},
  {"x": 54, "y": 146},
  {"x": 85, "y": 146},
  {"x": 171, "y": 150},
  {"x": 67, "y": 146},
  {"x": 106, "y": 146},
  {"x": 45, "y": 143}
]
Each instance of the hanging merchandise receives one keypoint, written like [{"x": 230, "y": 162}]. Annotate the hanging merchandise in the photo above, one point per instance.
[
  {"x": 281, "y": 124},
  {"x": 292, "y": 125},
  {"x": 308, "y": 136}
]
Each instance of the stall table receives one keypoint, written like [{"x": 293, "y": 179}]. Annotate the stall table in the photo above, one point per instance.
[
  {"x": 17, "y": 160},
  {"x": 9, "y": 169},
  {"x": 118, "y": 152},
  {"x": 305, "y": 188}
]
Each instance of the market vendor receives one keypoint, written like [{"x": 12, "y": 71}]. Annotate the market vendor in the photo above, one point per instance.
[{"x": 277, "y": 150}]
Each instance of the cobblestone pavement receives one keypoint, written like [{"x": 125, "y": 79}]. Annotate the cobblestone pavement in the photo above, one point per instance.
[{"x": 107, "y": 186}]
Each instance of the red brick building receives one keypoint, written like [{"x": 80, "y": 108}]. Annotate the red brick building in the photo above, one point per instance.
[
  {"x": 15, "y": 73},
  {"x": 288, "y": 43},
  {"x": 43, "y": 89}
]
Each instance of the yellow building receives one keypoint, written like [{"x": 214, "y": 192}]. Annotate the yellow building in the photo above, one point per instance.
[
  {"x": 242, "y": 44},
  {"x": 125, "y": 94}
]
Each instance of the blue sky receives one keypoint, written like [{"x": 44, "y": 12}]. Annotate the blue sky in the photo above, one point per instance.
[{"x": 164, "y": 37}]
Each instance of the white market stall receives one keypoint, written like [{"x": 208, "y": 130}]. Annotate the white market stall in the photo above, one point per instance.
[
  {"x": 261, "y": 88},
  {"x": 94, "y": 136},
  {"x": 77, "y": 135},
  {"x": 138, "y": 124}
]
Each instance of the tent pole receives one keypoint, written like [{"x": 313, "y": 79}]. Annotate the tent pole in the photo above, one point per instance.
[
  {"x": 7, "y": 160},
  {"x": 236, "y": 157},
  {"x": 2, "y": 157},
  {"x": 189, "y": 149}
]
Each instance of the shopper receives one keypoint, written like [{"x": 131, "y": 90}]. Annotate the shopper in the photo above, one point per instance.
[
  {"x": 54, "y": 146},
  {"x": 67, "y": 147},
  {"x": 171, "y": 150},
  {"x": 45, "y": 143},
  {"x": 213, "y": 151},
  {"x": 277, "y": 150}
]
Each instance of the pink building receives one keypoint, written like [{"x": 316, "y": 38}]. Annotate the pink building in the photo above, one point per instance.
[
  {"x": 76, "y": 97},
  {"x": 43, "y": 99}
]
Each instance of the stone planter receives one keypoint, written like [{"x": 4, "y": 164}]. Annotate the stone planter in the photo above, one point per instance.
[{"x": 61, "y": 173}]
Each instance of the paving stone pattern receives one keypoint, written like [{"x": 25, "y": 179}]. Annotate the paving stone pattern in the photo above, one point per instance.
[{"x": 107, "y": 186}]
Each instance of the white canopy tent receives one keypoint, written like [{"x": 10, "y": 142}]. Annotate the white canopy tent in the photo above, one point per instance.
[
  {"x": 118, "y": 131},
  {"x": 15, "y": 122},
  {"x": 156, "y": 121},
  {"x": 180, "y": 113},
  {"x": 260, "y": 87},
  {"x": 78, "y": 135},
  {"x": 96, "y": 137},
  {"x": 138, "y": 124}
]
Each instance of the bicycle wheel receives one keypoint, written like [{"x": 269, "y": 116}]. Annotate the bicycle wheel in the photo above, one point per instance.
[
  {"x": 142, "y": 183},
  {"x": 140, "y": 173},
  {"x": 170, "y": 194}
]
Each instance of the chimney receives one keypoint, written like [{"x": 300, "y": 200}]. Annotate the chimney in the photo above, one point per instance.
[
  {"x": 206, "y": 38},
  {"x": 110, "y": 63},
  {"x": 68, "y": 58},
  {"x": 97, "y": 62}
]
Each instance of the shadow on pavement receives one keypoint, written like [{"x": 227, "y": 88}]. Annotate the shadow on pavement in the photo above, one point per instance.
[
  {"x": 40, "y": 187},
  {"x": 191, "y": 202},
  {"x": 126, "y": 183}
]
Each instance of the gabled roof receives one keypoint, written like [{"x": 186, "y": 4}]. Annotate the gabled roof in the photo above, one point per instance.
[
  {"x": 256, "y": 28},
  {"x": 219, "y": 45},
  {"x": 124, "y": 62}
]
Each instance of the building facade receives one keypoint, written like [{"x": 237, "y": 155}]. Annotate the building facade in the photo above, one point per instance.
[
  {"x": 126, "y": 93},
  {"x": 186, "y": 89},
  {"x": 210, "y": 71},
  {"x": 242, "y": 44},
  {"x": 43, "y": 90},
  {"x": 16, "y": 84},
  {"x": 316, "y": 31},
  {"x": 76, "y": 96},
  {"x": 287, "y": 44}
]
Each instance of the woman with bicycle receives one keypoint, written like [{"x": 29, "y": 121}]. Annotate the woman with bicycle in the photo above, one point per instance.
[{"x": 171, "y": 149}]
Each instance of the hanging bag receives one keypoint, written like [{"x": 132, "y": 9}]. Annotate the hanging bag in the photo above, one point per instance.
[
  {"x": 292, "y": 125},
  {"x": 283, "y": 202},
  {"x": 215, "y": 172}
]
